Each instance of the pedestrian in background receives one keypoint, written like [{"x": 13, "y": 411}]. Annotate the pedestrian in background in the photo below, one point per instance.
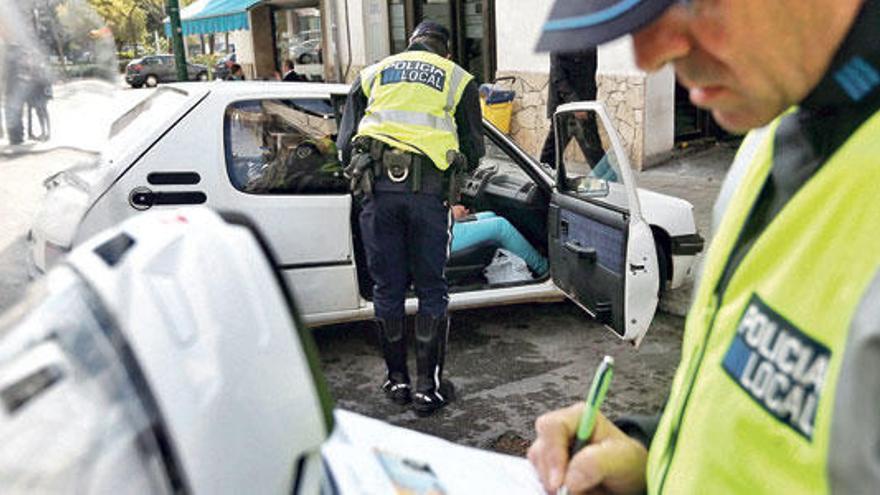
[
  {"x": 289, "y": 73},
  {"x": 779, "y": 380},
  {"x": 573, "y": 78},
  {"x": 235, "y": 73},
  {"x": 15, "y": 94},
  {"x": 40, "y": 92},
  {"x": 410, "y": 121}
]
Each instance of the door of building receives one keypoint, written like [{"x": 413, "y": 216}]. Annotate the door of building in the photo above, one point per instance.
[
  {"x": 471, "y": 23},
  {"x": 692, "y": 122}
]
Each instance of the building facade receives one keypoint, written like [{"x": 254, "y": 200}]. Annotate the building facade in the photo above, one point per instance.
[{"x": 492, "y": 39}]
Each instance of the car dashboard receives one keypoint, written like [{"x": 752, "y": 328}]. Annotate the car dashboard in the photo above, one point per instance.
[{"x": 495, "y": 186}]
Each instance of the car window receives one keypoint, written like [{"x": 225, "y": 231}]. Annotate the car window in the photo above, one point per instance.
[
  {"x": 496, "y": 157},
  {"x": 283, "y": 147},
  {"x": 590, "y": 166},
  {"x": 143, "y": 120}
]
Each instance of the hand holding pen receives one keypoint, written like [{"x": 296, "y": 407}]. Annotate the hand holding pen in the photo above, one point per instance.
[{"x": 604, "y": 457}]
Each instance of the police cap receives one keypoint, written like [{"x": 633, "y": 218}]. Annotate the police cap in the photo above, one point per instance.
[
  {"x": 578, "y": 24},
  {"x": 431, "y": 29}
]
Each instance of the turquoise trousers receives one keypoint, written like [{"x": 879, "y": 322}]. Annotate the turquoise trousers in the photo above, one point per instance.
[{"x": 490, "y": 227}]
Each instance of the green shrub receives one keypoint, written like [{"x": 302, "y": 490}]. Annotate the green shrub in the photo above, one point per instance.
[
  {"x": 208, "y": 60},
  {"x": 78, "y": 71}
]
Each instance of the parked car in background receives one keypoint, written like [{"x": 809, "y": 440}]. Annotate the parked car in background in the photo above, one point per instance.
[
  {"x": 307, "y": 52},
  {"x": 265, "y": 150},
  {"x": 154, "y": 69},
  {"x": 223, "y": 66}
]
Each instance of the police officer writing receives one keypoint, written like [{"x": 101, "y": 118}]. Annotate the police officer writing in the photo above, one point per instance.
[
  {"x": 411, "y": 123},
  {"x": 779, "y": 380}
]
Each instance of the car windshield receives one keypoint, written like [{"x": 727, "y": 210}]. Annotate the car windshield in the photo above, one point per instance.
[{"x": 143, "y": 119}]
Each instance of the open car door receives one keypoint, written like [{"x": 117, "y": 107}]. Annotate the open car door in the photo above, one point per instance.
[{"x": 602, "y": 253}]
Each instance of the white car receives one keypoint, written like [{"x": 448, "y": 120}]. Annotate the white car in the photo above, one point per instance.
[{"x": 265, "y": 150}]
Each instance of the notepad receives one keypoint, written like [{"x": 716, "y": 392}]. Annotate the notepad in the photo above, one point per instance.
[{"x": 365, "y": 455}]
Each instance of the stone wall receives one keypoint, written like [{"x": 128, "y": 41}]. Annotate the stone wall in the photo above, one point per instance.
[
  {"x": 624, "y": 99},
  {"x": 529, "y": 124},
  {"x": 623, "y": 96}
]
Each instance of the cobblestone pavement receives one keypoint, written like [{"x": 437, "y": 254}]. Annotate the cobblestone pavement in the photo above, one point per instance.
[{"x": 509, "y": 364}]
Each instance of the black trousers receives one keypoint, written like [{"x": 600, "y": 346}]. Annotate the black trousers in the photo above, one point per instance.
[
  {"x": 14, "y": 111},
  {"x": 585, "y": 133},
  {"x": 406, "y": 237}
]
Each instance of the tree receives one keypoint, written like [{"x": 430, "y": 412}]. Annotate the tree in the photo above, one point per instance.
[
  {"x": 76, "y": 20},
  {"x": 126, "y": 19},
  {"x": 155, "y": 20}
]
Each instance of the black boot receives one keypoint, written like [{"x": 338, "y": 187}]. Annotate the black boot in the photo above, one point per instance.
[
  {"x": 393, "y": 338},
  {"x": 432, "y": 392}
]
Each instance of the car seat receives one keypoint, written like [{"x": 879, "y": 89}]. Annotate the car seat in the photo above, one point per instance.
[{"x": 465, "y": 266}]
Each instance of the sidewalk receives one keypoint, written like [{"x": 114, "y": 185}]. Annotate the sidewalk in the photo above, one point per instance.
[
  {"x": 81, "y": 113},
  {"x": 695, "y": 174}
]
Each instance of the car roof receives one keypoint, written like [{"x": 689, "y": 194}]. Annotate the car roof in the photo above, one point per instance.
[{"x": 259, "y": 89}]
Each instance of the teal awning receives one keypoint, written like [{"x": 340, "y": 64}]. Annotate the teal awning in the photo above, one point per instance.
[{"x": 213, "y": 16}]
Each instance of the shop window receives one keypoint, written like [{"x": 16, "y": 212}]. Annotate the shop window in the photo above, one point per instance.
[
  {"x": 298, "y": 38},
  {"x": 283, "y": 147},
  {"x": 397, "y": 25},
  {"x": 471, "y": 24},
  {"x": 437, "y": 11}
]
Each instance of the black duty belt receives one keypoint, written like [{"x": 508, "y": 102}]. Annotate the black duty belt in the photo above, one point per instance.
[{"x": 399, "y": 170}]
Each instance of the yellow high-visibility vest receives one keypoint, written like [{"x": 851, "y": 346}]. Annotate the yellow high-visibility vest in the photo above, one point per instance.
[
  {"x": 411, "y": 102},
  {"x": 751, "y": 404}
]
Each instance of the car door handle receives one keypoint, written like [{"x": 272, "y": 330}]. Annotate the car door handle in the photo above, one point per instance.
[
  {"x": 582, "y": 252},
  {"x": 143, "y": 198},
  {"x": 173, "y": 178},
  {"x": 636, "y": 268}
]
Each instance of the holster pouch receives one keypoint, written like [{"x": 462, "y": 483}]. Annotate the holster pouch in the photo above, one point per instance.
[
  {"x": 376, "y": 149},
  {"x": 457, "y": 162},
  {"x": 360, "y": 171},
  {"x": 397, "y": 164}
]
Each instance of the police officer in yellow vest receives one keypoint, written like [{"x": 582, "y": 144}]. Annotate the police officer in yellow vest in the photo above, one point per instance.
[
  {"x": 411, "y": 123},
  {"x": 779, "y": 382}
]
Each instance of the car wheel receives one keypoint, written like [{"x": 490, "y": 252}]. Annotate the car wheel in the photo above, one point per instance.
[
  {"x": 151, "y": 81},
  {"x": 663, "y": 264},
  {"x": 305, "y": 58},
  {"x": 203, "y": 76}
]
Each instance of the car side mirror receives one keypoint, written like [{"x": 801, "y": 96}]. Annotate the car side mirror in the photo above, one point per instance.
[{"x": 587, "y": 187}]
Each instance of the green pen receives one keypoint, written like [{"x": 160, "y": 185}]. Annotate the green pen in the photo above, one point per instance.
[{"x": 592, "y": 403}]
